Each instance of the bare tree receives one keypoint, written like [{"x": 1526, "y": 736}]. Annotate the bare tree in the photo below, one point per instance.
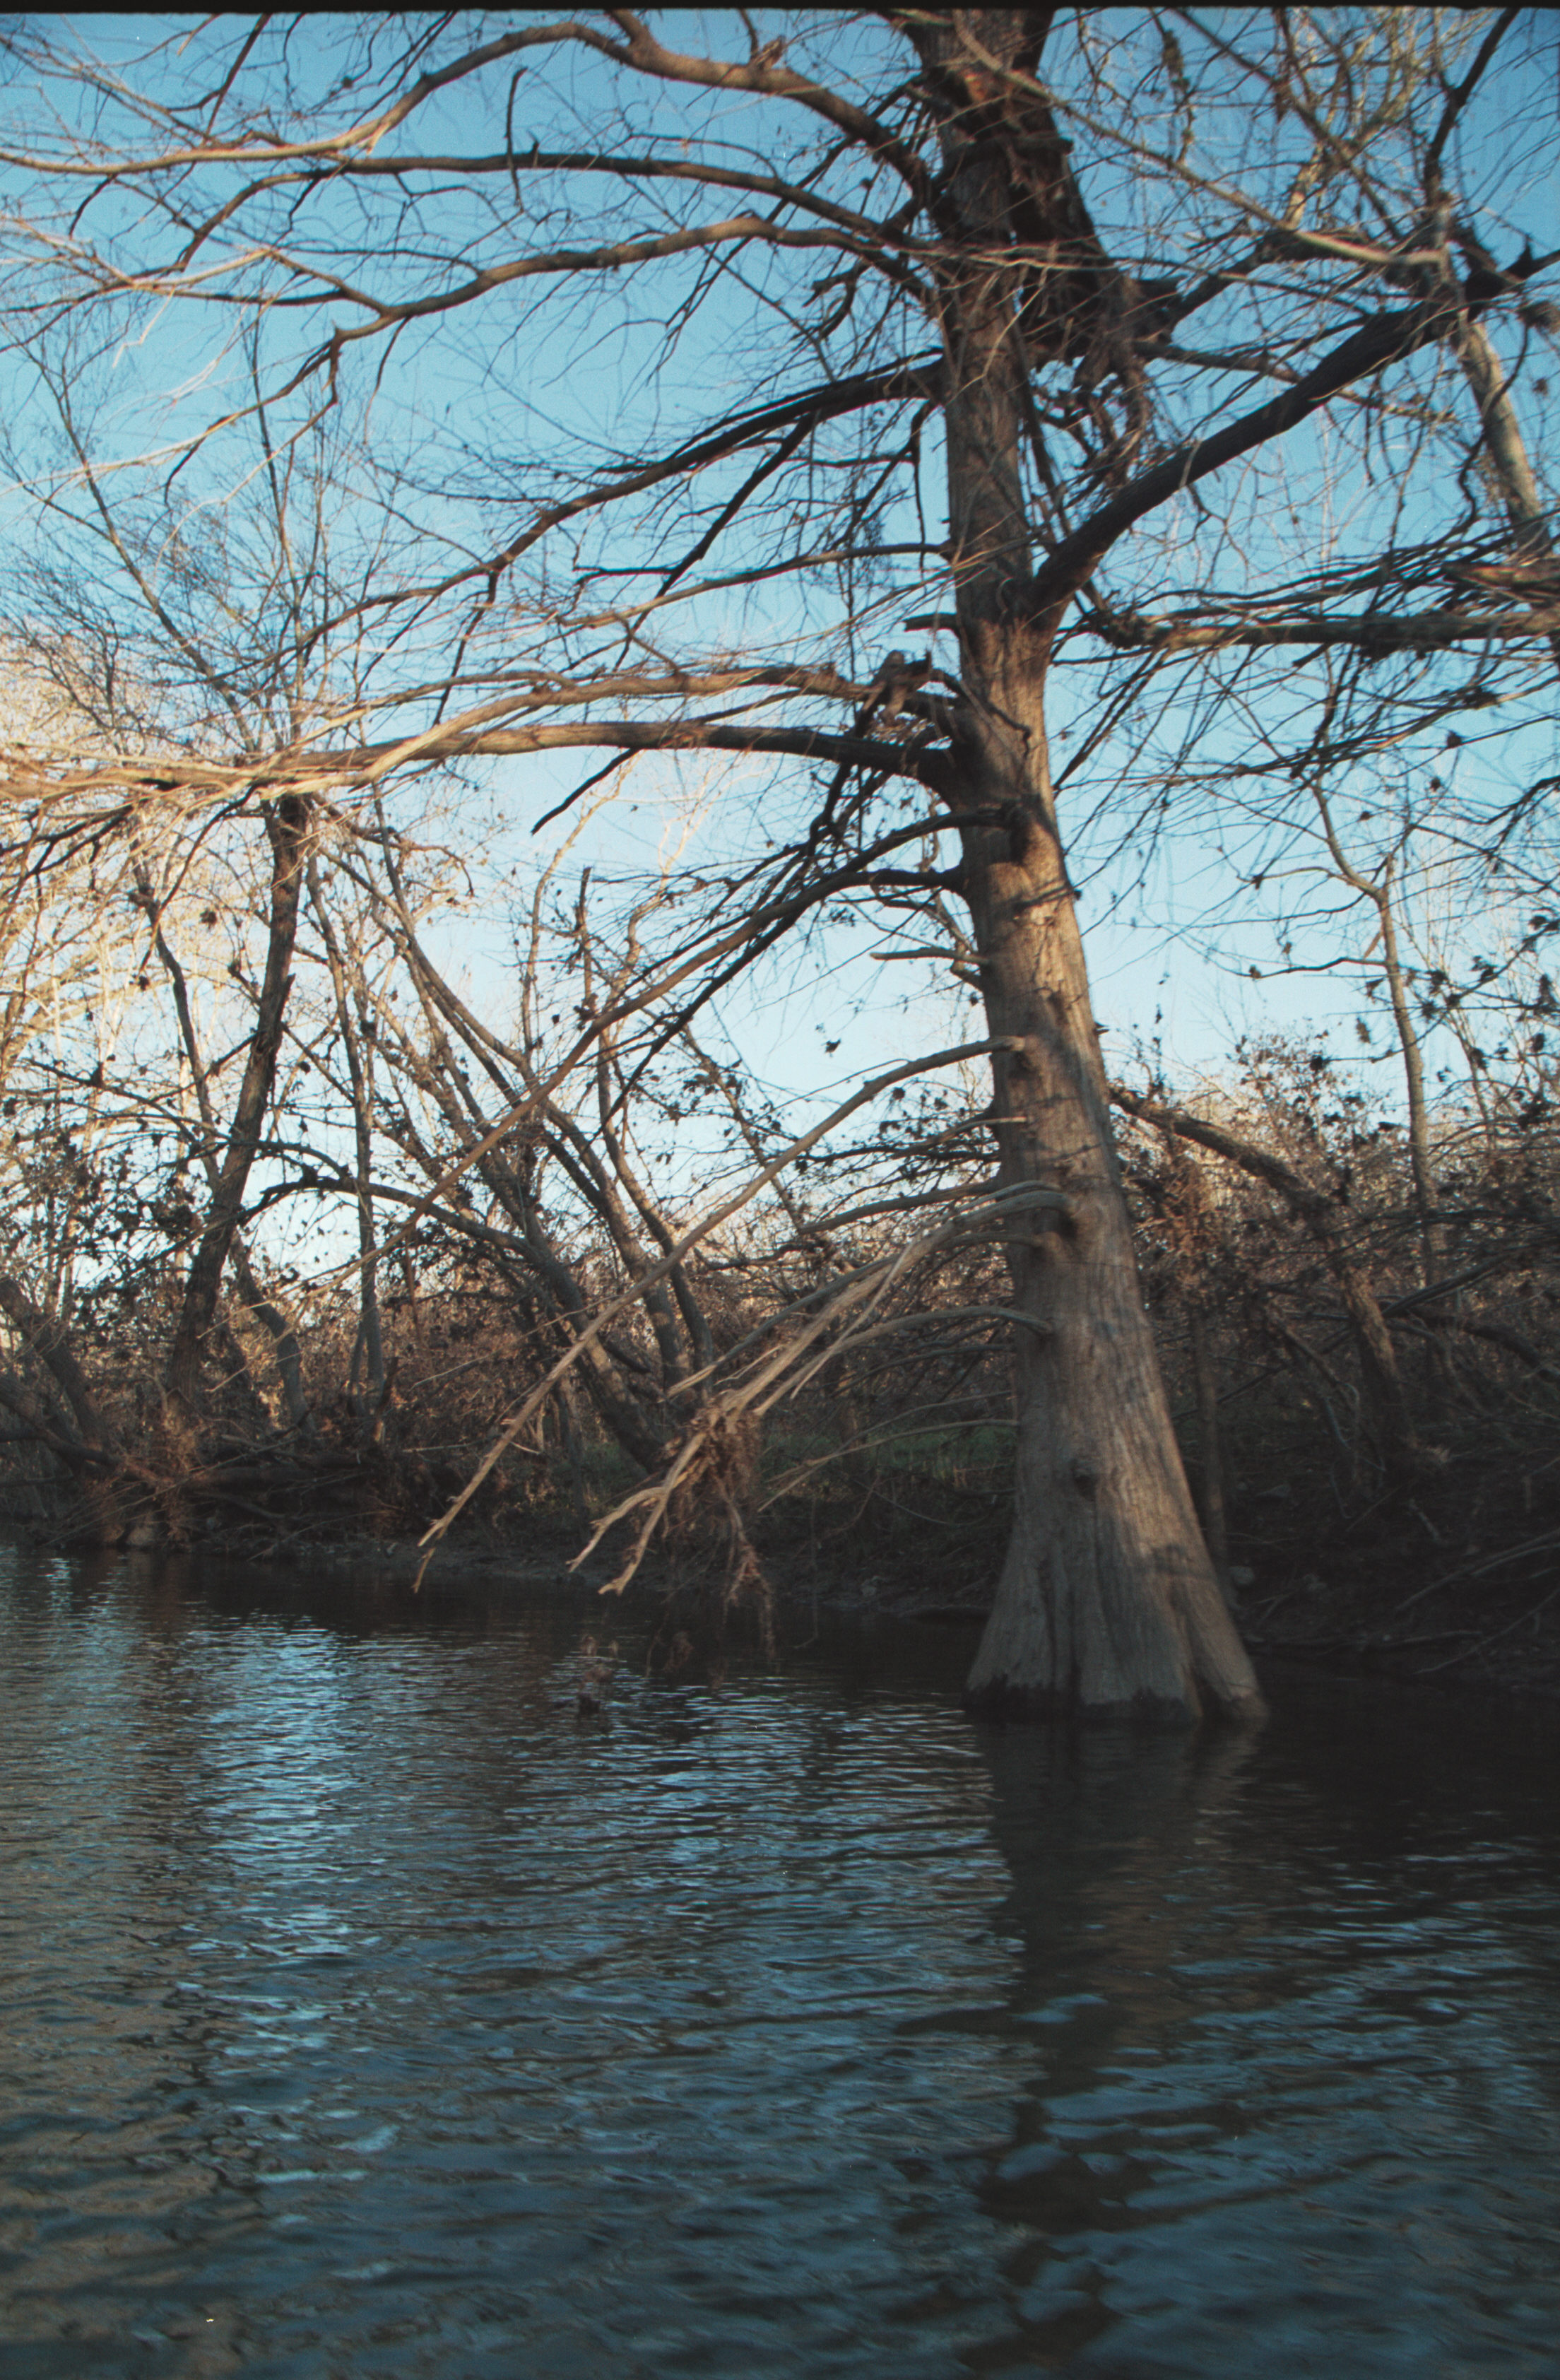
[{"x": 984, "y": 405}]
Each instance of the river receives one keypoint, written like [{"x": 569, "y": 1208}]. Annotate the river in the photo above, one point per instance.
[{"x": 365, "y": 2012}]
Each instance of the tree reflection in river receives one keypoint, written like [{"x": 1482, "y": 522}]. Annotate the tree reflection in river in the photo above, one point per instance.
[
  {"x": 1295, "y": 2077},
  {"x": 360, "y": 2010}
]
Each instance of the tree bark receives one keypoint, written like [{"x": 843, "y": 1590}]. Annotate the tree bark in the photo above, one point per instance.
[
  {"x": 1503, "y": 444},
  {"x": 1108, "y": 1604}
]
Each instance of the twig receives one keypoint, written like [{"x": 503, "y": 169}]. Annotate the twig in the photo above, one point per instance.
[
  {"x": 1485, "y": 1643},
  {"x": 1542, "y": 1544}
]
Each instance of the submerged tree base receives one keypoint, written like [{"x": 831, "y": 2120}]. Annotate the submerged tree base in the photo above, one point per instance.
[
  {"x": 1000, "y": 1702},
  {"x": 1011, "y": 1702}
]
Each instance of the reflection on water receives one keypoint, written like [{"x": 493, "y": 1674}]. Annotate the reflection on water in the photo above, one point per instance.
[{"x": 361, "y": 2012}]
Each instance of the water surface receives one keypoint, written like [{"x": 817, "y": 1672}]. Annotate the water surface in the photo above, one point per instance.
[{"x": 362, "y": 2012}]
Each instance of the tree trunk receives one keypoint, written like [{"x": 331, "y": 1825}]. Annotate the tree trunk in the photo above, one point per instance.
[
  {"x": 1107, "y": 1601},
  {"x": 1503, "y": 444},
  {"x": 1108, "y": 1604},
  {"x": 287, "y": 824},
  {"x": 1377, "y": 889},
  {"x": 50, "y": 1342},
  {"x": 1421, "y": 1162},
  {"x": 283, "y": 1337}
]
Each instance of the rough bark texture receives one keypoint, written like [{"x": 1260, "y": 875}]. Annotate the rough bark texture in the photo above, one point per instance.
[{"x": 1108, "y": 1604}]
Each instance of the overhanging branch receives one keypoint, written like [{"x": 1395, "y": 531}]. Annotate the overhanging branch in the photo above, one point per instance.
[
  {"x": 1391, "y": 338},
  {"x": 1369, "y": 631}
]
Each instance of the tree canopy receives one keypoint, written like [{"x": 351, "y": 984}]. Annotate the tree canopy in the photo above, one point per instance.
[{"x": 1006, "y": 443}]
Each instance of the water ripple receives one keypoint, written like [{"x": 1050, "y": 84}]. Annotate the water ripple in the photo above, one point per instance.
[{"x": 362, "y": 2013}]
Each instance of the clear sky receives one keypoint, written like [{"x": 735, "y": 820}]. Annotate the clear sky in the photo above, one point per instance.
[{"x": 1184, "y": 948}]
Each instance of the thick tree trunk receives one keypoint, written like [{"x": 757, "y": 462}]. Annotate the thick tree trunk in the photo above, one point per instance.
[{"x": 1108, "y": 1604}]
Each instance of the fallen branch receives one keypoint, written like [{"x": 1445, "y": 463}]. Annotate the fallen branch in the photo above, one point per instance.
[{"x": 668, "y": 1263}]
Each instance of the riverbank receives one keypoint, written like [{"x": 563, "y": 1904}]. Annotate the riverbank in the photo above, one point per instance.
[
  {"x": 1451, "y": 1578},
  {"x": 1394, "y": 1597}
]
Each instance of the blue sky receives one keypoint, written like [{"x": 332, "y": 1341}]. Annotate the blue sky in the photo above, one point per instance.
[{"x": 1172, "y": 935}]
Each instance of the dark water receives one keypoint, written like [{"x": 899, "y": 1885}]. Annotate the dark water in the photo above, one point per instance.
[{"x": 364, "y": 2014}]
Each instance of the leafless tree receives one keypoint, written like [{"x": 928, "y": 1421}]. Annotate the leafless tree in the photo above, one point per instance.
[{"x": 945, "y": 270}]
